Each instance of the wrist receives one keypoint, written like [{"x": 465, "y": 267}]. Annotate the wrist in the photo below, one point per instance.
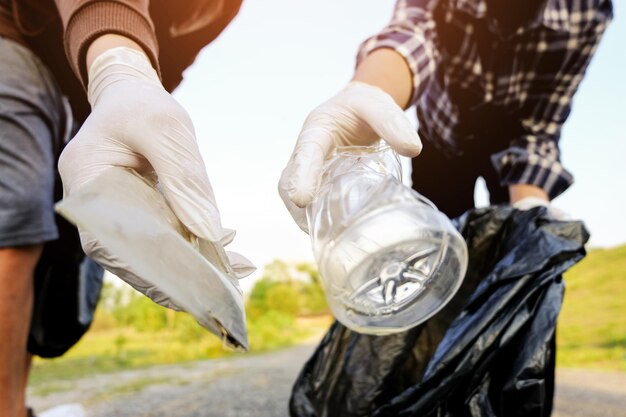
[
  {"x": 518, "y": 192},
  {"x": 110, "y": 41},
  {"x": 117, "y": 64}
]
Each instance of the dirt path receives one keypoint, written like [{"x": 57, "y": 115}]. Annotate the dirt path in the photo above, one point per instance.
[
  {"x": 259, "y": 386},
  {"x": 583, "y": 393}
]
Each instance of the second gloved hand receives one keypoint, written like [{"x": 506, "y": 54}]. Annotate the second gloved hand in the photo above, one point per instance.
[
  {"x": 135, "y": 123},
  {"x": 359, "y": 115},
  {"x": 528, "y": 203}
]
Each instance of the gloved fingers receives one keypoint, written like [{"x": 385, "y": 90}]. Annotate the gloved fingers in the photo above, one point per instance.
[
  {"x": 228, "y": 236},
  {"x": 192, "y": 203},
  {"x": 242, "y": 266},
  {"x": 215, "y": 253},
  {"x": 298, "y": 213},
  {"x": 232, "y": 263},
  {"x": 89, "y": 154},
  {"x": 116, "y": 64},
  {"x": 352, "y": 117},
  {"x": 301, "y": 178},
  {"x": 183, "y": 179},
  {"x": 528, "y": 203},
  {"x": 378, "y": 110}
]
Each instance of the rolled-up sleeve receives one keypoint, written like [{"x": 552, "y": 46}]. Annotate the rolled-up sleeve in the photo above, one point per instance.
[
  {"x": 86, "y": 20},
  {"x": 535, "y": 162},
  {"x": 411, "y": 33}
]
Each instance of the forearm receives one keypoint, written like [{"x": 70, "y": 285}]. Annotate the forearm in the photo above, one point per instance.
[
  {"x": 387, "y": 69},
  {"x": 520, "y": 191},
  {"x": 106, "y": 42}
]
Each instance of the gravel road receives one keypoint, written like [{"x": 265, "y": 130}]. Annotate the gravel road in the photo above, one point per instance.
[
  {"x": 259, "y": 386},
  {"x": 583, "y": 393}
]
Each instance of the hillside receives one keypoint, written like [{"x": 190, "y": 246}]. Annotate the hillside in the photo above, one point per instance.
[{"x": 592, "y": 326}]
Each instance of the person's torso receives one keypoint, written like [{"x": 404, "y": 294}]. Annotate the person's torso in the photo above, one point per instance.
[{"x": 519, "y": 68}]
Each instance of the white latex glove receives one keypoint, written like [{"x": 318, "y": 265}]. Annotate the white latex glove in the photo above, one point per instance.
[
  {"x": 359, "y": 115},
  {"x": 528, "y": 203},
  {"x": 135, "y": 123}
]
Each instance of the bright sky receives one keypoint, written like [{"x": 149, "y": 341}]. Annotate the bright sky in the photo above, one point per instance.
[{"x": 249, "y": 92}]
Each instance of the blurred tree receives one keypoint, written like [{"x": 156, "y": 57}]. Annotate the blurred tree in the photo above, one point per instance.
[
  {"x": 284, "y": 297},
  {"x": 289, "y": 289},
  {"x": 142, "y": 314}
]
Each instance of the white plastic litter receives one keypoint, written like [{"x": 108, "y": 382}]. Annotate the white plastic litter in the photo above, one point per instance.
[
  {"x": 132, "y": 232},
  {"x": 388, "y": 259}
]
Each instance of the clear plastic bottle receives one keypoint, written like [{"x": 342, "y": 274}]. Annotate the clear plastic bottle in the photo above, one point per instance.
[{"x": 388, "y": 259}]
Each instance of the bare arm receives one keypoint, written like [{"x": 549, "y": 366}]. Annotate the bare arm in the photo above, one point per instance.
[
  {"x": 519, "y": 191},
  {"x": 106, "y": 42},
  {"x": 387, "y": 69}
]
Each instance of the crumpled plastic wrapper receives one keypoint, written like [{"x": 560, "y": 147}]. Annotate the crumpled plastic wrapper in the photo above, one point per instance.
[{"x": 127, "y": 227}]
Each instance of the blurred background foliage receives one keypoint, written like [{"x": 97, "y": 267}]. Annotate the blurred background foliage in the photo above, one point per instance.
[{"x": 287, "y": 306}]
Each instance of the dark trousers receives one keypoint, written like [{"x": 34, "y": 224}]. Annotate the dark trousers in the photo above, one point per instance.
[{"x": 449, "y": 180}]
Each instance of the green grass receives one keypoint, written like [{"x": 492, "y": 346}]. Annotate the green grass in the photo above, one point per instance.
[
  {"x": 591, "y": 331},
  {"x": 103, "y": 351}
]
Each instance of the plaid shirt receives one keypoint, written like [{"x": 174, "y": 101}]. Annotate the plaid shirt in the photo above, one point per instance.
[{"x": 461, "y": 61}]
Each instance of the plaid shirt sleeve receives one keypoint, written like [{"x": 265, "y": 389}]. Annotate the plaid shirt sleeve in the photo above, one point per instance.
[
  {"x": 411, "y": 33},
  {"x": 534, "y": 158}
]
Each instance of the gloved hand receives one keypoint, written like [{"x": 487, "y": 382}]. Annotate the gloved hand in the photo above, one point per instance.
[
  {"x": 528, "y": 203},
  {"x": 359, "y": 115},
  {"x": 135, "y": 123}
]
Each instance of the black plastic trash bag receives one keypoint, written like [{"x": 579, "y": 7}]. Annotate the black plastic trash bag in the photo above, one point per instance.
[
  {"x": 490, "y": 352},
  {"x": 67, "y": 289}
]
